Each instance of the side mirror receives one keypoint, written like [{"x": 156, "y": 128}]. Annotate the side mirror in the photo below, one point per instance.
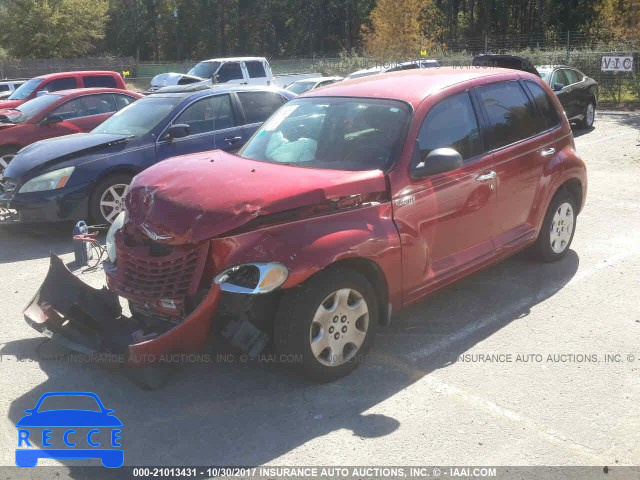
[
  {"x": 439, "y": 160},
  {"x": 557, "y": 87},
  {"x": 41, "y": 93},
  {"x": 179, "y": 130},
  {"x": 215, "y": 78},
  {"x": 51, "y": 119}
]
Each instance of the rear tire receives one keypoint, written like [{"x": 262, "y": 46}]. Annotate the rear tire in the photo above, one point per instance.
[
  {"x": 325, "y": 327},
  {"x": 107, "y": 198},
  {"x": 558, "y": 228},
  {"x": 589, "y": 115}
]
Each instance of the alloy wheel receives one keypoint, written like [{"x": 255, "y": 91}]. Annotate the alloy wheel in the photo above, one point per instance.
[
  {"x": 339, "y": 327},
  {"x": 112, "y": 201}
]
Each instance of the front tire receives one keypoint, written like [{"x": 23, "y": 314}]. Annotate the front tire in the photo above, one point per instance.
[
  {"x": 558, "y": 228},
  {"x": 107, "y": 198},
  {"x": 326, "y": 326}
]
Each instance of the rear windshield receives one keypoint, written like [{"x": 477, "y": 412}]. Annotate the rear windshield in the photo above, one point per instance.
[
  {"x": 300, "y": 87},
  {"x": 26, "y": 89},
  {"x": 333, "y": 133},
  {"x": 139, "y": 118}
]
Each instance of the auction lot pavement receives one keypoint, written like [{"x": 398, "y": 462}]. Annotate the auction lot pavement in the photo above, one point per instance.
[{"x": 563, "y": 387}]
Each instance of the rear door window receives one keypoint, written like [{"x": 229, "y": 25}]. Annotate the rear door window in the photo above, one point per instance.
[
  {"x": 66, "y": 83},
  {"x": 230, "y": 71},
  {"x": 451, "y": 124},
  {"x": 544, "y": 104},
  {"x": 255, "y": 69},
  {"x": 510, "y": 113},
  {"x": 208, "y": 114},
  {"x": 86, "y": 106},
  {"x": 123, "y": 100},
  {"x": 258, "y": 106},
  {"x": 97, "y": 81}
]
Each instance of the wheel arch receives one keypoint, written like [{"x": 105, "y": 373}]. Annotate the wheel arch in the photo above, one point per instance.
[
  {"x": 372, "y": 272},
  {"x": 574, "y": 187}
]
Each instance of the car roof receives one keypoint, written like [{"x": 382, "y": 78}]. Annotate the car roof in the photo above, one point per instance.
[
  {"x": 87, "y": 91},
  {"x": 316, "y": 79},
  {"x": 222, "y": 88},
  {"x": 411, "y": 86},
  {"x": 74, "y": 73},
  {"x": 234, "y": 59}
]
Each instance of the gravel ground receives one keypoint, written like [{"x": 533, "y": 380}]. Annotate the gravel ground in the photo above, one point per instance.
[{"x": 564, "y": 391}]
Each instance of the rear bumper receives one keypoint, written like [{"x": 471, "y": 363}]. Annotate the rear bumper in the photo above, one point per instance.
[
  {"x": 90, "y": 321},
  {"x": 51, "y": 206}
]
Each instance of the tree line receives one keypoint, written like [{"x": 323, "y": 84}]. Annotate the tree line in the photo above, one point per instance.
[{"x": 194, "y": 29}]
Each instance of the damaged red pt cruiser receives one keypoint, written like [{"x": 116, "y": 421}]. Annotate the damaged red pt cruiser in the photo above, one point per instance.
[{"x": 348, "y": 204}]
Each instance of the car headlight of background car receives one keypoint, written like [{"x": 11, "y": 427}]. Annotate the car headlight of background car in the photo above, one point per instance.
[
  {"x": 253, "y": 278},
  {"x": 48, "y": 181},
  {"x": 117, "y": 224}
]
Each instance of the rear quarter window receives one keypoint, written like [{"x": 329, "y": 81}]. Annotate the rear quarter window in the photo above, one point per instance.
[
  {"x": 510, "y": 113},
  {"x": 544, "y": 104},
  {"x": 97, "y": 81}
]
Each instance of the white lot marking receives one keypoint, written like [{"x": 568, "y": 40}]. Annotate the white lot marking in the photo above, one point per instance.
[
  {"x": 607, "y": 138},
  {"x": 546, "y": 433},
  {"x": 513, "y": 309}
]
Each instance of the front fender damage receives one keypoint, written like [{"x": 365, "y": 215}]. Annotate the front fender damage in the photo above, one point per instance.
[{"x": 89, "y": 321}]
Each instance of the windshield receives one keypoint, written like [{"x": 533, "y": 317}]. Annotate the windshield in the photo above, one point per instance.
[
  {"x": 301, "y": 87},
  {"x": 204, "y": 69},
  {"x": 334, "y": 133},
  {"x": 26, "y": 89},
  {"x": 140, "y": 117},
  {"x": 30, "y": 109}
]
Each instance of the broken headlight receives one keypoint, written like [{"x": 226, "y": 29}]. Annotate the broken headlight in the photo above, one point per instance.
[
  {"x": 117, "y": 224},
  {"x": 253, "y": 278}
]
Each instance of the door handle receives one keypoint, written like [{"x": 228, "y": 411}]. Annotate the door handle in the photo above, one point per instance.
[
  {"x": 232, "y": 139},
  {"x": 548, "y": 151},
  {"x": 486, "y": 177}
]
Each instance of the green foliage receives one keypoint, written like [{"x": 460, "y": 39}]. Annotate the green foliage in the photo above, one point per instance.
[
  {"x": 148, "y": 29},
  {"x": 52, "y": 28}
]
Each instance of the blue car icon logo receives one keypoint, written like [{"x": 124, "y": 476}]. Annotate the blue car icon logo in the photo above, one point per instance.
[{"x": 84, "y": 433}]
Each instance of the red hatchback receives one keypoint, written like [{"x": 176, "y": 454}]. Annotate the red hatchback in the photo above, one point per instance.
[
  {"x": 54, "y": 82},
  {"x": 349, "y": 203},
  {"x": 56, "y": 114}
]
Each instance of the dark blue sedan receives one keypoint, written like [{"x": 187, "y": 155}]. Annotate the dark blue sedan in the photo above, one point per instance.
[{"x": 86, "y": 175}]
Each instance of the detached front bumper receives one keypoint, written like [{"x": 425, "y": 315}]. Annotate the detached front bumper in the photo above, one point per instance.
[{"x": 90, "y": 321}]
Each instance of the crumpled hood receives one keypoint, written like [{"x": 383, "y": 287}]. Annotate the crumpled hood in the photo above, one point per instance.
[
  {"x": 58, "y": 150},
  {"x": 195, "y": 197},
  {"x": 171, "y": 78}
]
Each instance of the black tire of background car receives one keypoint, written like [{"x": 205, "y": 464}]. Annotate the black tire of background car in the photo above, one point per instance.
[
  {"x": 295, "y": 313},
  {"x": 584, "y": 123},
  {"x": 95, "y": 216},
  {"x": 541, "y": 250},
  {"x": 7, "y": 151}
]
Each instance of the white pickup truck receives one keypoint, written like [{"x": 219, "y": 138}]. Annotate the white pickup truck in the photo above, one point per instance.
[{"x": 241, "y": 70}]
